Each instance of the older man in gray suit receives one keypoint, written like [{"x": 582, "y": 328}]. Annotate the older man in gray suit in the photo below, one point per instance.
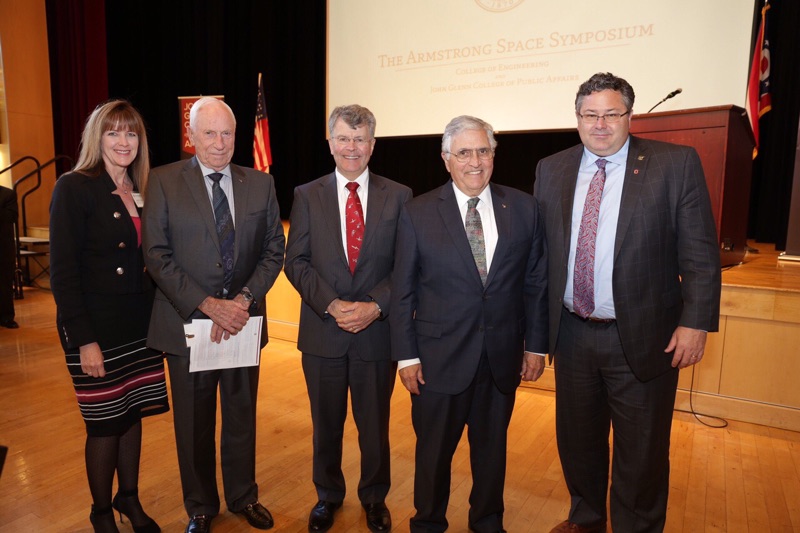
[
  {"x": 214, "y": 244},
  {"x": 634, "y": 279},
  {"x": 339, "y": 257}
]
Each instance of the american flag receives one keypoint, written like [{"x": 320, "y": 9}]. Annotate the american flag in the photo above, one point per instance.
[{"x": 262, "y": 154}]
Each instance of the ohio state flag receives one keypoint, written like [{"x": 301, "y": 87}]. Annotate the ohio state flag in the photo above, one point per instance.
[{"x": 759, "y": 100}]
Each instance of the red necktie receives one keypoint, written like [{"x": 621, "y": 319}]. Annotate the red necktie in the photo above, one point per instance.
[
  {"x": 354, "y": 219},
  {"x": 583, "y": 282}
]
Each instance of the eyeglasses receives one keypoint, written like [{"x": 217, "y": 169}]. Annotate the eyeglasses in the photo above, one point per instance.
[
  {"x": 611, "y": 118},
  {"x": 341, "y": 140},
  {"x": 462, "y": 156}
]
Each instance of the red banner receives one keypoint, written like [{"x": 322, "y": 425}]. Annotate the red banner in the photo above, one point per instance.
[{"x": 185, "y": 104}]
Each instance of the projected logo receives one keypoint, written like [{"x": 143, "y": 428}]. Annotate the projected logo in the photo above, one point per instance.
[{"x": 498, "y": 5}]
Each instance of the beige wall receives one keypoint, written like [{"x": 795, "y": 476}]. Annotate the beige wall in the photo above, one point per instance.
[{"x": 26, "y": 69}]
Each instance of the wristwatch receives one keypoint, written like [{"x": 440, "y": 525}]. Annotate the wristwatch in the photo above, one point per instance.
[
  {"x": 247, "y": 295},
  {"x": 380, "y": 311}
]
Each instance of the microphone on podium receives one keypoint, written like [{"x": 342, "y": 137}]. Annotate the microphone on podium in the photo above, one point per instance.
[{"x": 670, "y": 95}]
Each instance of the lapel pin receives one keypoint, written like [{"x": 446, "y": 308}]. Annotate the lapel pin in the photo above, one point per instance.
[
  {"x": 504, "y": 205},
  {"x": 635, "y": 170},
  {"x": 641, "y": 158}
]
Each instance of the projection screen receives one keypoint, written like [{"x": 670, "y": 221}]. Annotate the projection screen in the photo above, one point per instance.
[{"x": 518, "y": 63}]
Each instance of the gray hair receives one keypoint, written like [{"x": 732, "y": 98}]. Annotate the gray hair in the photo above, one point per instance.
[
  {"x": 603, "y": 81},
  {"x": 463, "y": 123},
  {"x": 206, "y": 101},
  {"x": 354, "y": 116}
]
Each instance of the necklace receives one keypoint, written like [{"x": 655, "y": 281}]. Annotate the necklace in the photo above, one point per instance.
[{"x": 123, "y": 187}]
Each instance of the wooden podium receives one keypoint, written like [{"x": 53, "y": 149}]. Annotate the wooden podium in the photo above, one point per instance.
[{"x": 722, "y": 137}]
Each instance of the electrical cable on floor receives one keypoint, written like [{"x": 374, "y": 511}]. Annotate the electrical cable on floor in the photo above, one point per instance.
[{"x": 722, "y": 422}]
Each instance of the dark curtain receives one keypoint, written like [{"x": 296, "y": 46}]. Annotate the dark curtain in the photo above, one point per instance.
[
  {"x": 76, "y": 35},
  {"x": 161, "y": 50},
  {"x": 773, "y": 169}
]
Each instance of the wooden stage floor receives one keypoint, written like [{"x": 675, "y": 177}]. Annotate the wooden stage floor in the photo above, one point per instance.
[
  {"x": 763, "y": 270},
  {"x": 743, "y": 477}
]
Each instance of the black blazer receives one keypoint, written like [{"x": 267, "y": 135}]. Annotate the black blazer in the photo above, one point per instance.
[
  {"x": 93, "y": 250},
  {"x": 442, "y": 313}
]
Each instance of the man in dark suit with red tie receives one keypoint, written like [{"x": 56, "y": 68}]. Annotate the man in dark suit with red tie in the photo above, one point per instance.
[
  {"x": 469, "y": 320},
  {"x": 339, "y": 257},
  {"x": 634, "y": 288}
]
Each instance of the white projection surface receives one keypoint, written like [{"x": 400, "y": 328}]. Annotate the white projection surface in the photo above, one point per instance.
[{"x": 518, "y": 63}]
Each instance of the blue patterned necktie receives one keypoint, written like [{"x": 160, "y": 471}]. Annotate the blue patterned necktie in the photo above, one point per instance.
[
  {"x": 474, "y": 229},
  {"x": 225, "y": 231}
]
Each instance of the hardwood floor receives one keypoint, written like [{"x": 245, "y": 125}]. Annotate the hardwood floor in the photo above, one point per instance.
[{"x": 741, "y": 478}]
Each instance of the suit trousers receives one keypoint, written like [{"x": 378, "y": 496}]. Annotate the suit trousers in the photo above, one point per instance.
[
  {"x": 370, "y": 384},
  {"x": 194, "y": 408},
  {"x": 439, "y": 421},
  {"x": 596, "y": 390}
]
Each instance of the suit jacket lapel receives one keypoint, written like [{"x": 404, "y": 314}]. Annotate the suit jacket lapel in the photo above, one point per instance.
[
  {"x": 376, "y": 202},
  {"x": 454, "y": 224},
  {"x": 502, "y": 217},
  {"x": 635, "y": 166},
  {"x": 570, "y": 171},
  {"x": 195, "y": 182},
  {"x": 241, "y": 187},
  {"x": 328, "y": 203}
]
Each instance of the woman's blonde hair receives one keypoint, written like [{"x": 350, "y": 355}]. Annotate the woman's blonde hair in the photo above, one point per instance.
[{"x": 117, "y": 115}]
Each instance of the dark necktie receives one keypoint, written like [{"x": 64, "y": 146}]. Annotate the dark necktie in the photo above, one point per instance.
[
  {"x": 225, "y": 231},
  {"x": 475, "y": 235},
  {"x": 583, "y": 281},
  {"x": 354, "y": 225}
]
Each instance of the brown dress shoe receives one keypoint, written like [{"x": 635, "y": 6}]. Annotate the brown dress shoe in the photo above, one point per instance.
[{"x": 569, "y": 527}]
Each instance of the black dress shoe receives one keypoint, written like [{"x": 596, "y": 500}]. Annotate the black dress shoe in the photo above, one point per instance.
[
  {"x": 257, "y": 515},
  {"x": 102, "y": 520},
  {"x": 321, "y": 517},
  {"x": 378, "y": 517},
  {"x": 127, "y": 504},
  {"x": 10, "y": 324},
  {"x": 200, "y": 523}
]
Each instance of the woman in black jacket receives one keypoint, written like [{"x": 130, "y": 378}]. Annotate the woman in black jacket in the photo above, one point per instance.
[{"x": 104, "y": 297}]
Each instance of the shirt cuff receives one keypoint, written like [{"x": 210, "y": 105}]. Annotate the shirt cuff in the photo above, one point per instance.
[
  {"x": 536, "y": 353},
  {"x": 408, "y": 362}
]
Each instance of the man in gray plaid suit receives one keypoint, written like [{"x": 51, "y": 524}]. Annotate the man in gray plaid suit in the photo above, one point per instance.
[{"x": 634, "y": 287}]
